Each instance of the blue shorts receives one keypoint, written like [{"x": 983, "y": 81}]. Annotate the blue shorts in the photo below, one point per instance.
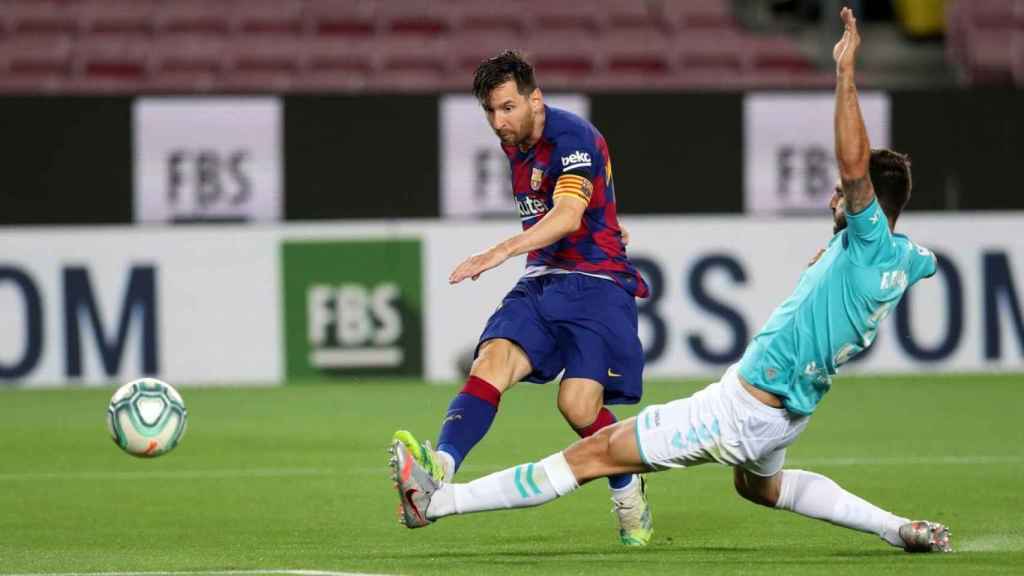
[{"x": 584, "y": 325}]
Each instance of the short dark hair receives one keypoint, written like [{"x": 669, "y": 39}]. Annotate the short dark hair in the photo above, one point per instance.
[
  {"x": 890, "y": 177},
  {"x": 493, "y": 72}
]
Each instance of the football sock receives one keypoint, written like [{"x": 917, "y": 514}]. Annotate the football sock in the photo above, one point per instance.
[
  {"x": 521, "y": 486},
  {"x": 606, "y": 418},
  {"x": 817, "y": 496},
  {"x": 469, "y": 417}
]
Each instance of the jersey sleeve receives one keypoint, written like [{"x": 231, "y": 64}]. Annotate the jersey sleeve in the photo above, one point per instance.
[
  {"x": 868, "y": 233},
  {"x": 577, "y": 163},
  {"x": 922, "y": 263}
]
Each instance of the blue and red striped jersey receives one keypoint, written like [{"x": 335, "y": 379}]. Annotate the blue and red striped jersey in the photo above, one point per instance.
[{"x": 572, "y": 157}]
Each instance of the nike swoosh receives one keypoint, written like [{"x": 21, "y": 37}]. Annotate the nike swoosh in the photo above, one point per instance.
[
  {"x": 452, "y": 418},
  {"x": 613, "y": 374},
  {"x": 408, "y": 498}
]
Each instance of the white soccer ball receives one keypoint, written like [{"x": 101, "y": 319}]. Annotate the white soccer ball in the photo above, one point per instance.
[{"x": 146, "y": 417}]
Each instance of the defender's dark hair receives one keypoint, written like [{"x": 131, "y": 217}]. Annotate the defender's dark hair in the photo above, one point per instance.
[
  {"x": 509, "y": 65},
  {"x": 890, "y": 176}
]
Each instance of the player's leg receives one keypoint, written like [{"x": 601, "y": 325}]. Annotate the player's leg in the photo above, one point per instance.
[
  {"x": 613, "y": 450},
  {"x": 581, "y": 402},
  {"x": 817, "y": 496},
  {"x": 514, "y": 346}
]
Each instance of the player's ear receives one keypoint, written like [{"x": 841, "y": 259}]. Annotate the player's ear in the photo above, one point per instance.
[{"x": 536, "y": 99}]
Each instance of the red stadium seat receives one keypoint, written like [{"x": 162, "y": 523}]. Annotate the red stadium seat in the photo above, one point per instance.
[
  {"x": 634, "y": 15},
  {"x": 636, "y": 52},
  {"x": 274, "y": 17},
  {"x": 412, "y": 17},
  {"x": 424, "y": 57},
  {"x": 989, "y": 57},
  {"x": 256, "y": 64},
  {"x": 194, "y": 17},
  {"x": 476, "y": 16},
  {"x": 186, "y": 63},
  {"x": 40, "y": 17},
  {"x": 563, "y": 57},
  {"x": 779, "y": 53},
  {"x": 470, "y": 48},
  {"x": 563, "y": 17},
  {"x": 118, "y": 16},
  {"x": 341, "y": 17},
  {"x": 706, "y": 14},
  {"x": 720, "y": 52},
  {"x": 331, "y": 55},
  {"x": 121, "y": 59},
  {"x": 1018, "y": 57},
  {"x": 35, "y": 57}
]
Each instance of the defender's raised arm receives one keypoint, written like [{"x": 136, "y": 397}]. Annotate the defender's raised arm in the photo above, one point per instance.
[{"x": 852, "y": 148}]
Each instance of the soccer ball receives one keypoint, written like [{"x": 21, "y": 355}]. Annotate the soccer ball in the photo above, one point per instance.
[{"x": 146, "y": 417}]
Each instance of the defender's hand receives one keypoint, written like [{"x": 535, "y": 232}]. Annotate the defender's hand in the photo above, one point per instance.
[
  {"x": 479, "y": 263},
  {"x": 625, "y": 234},
  {"x": 845, "y": 50}
]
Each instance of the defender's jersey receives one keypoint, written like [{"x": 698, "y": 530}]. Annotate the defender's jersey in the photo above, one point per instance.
[
  {"x": 835, "y": 310},
  {"x": 571, "y": 158}
]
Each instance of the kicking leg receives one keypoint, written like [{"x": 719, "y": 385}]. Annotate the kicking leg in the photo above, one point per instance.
[
  {"x": 612, "y": 450},
  {"x": 498, "y": 366},
  {"x": 816, "y": 496}
]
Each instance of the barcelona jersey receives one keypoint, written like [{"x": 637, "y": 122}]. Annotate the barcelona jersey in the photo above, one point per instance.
[{"x": 571, "y": 158}]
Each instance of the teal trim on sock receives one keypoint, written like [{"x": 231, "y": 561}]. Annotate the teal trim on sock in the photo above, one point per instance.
[
  {"x": 639, "y": 446},
  {"x": 519, "y": 483}
]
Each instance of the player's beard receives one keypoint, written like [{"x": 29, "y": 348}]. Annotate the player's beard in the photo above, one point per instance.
[{"x": 838, "y": 222}]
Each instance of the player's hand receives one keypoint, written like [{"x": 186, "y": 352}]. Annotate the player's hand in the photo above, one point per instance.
[
  {"x": 479, "y": 263},
  {"x": 816, "y": 258},
  {"x": 625, "y": 234},
  {"x": 845, "y": 50}
]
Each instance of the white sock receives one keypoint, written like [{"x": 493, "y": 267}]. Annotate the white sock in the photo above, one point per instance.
[
  {"x": 517, "y": 487},
  {"x": 817, "y": 496},
  {"x": 448, "y": 463}
]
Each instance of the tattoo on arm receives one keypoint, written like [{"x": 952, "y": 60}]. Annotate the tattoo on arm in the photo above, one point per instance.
[{"x": 858, "y": 192}]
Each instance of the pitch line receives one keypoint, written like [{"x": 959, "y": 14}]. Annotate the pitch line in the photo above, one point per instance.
[
  {"x": 204, "y": 573},
  {"x": 169, "y": 474}
]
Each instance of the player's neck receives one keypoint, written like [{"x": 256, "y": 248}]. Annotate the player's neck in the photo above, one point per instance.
[{"x": 538, "y": 131}]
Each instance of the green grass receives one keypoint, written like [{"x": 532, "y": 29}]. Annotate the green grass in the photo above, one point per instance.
[{"x": 296, "y": 477}]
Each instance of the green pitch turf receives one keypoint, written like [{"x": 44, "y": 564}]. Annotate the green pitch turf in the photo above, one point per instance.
[{"x": 296, "y": 478}]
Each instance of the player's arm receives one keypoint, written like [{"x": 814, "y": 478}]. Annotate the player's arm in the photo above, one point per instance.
[
  {"x": 853, "y": 150},
  {"x": 570, "y": 202}
]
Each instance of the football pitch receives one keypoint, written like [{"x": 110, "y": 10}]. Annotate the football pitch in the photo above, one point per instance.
[{"x": 293, "y": 480}]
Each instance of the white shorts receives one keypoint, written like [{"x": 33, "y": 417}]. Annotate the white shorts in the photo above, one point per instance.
[{"x": 722, "y": 423}]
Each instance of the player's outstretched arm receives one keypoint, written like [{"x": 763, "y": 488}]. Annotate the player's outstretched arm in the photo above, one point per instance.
[
  {"x": 853, "y": 151},
  {"x": 562, "y": 220}
]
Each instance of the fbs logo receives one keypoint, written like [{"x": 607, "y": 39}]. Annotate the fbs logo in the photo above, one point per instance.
[
  {"x": 353, "y": 307},
  {"x": 577, "y": 159}
]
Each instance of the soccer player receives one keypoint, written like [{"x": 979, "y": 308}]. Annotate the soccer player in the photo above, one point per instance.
[
  {"x": 760, "y": 406},
  {"x": 574, "y": 309}
]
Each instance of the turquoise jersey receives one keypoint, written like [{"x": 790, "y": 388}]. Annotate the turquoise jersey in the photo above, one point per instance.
[{"x": 835, "y": 310}]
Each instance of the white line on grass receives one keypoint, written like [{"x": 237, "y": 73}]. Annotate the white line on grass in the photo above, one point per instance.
[
  {"x": 204, "y": 573},
  {"x": 905, "y": 460}
]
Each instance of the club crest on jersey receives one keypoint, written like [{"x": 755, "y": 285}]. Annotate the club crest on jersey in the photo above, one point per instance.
[
  {"x": 578, "y": 159},
  {"x": 536, "y": 177}
]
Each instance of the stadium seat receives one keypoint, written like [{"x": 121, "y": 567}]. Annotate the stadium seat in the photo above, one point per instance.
[
  {"x": 1018, "y": 57},
  {"x": 32, "y": 56},
  {"x": 412, "y": 17},
  {"x": 475, "y": 16},
  {"x": 707, "y": 14},
  {"x": 635, "y": 52},
  {"x": 566, "y": 56},
  {"x": 633, "y": 15},
  {"x": 717, "y": 52},
  {"x": 117, "y": 16},
  {"x": 419, "y": 56},
  {"x": 267, "y": 17},
  {"x": 471, "y": 47},
  {"x": 194, "y": 17},
  {"x": 779, "y": 53},
  {"x": 122, "y": 59},
  {"x": 341, "y": 18},
  {"x": 563, "y": 17},
  {"x": 40, "y": 17},
  {"x": 184, "y": 63}
]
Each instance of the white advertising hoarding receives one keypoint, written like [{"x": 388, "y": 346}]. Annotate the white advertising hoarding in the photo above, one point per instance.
[
  {"x": 208, "y": 159},
  {"x": 789, "y": 164},
  {"x": 475, "y": 179},
  {"x": 213, "y": 305}
]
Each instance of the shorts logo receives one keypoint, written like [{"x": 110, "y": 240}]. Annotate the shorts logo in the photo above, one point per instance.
[
  {"x": 613, "y": 374},
  {"x": 578, "y": 159},
  {"x": 536, "y": 177}
]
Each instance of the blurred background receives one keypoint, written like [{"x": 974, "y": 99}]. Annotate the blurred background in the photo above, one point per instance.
[{"x": 271, "y": 191}]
